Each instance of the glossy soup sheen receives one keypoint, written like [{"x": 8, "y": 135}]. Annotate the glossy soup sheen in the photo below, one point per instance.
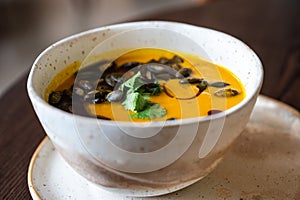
[{"x": 176, "y": 108}]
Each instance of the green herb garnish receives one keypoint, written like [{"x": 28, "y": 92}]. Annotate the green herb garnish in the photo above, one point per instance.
[
  {"x": 137, "y": 98},
  {"x": 151, "y": 112},
  {"x": 135, "y": 102},
  {"x": 132, "y": 84}
]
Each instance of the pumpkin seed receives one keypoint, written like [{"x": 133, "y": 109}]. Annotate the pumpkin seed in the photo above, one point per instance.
[
  {"x": 129, "y": 65},
  {"x": 95, "y": 96},
  {"x": 164, "y": 77},
  {"x": 78, "y": 91},
  {"x": 191, "y": 80},
  {"x": 175, "y": 66},
  {"x": 163, "y": 60},
  {"x": 228, "y": 92},
  {"x": 156, "y": 68},
  {"x": 177, "y": 59},
  {"x": 110, "y": 81},
  {"x": 85, "y": 85},
  {"x": 202, "y": 85},
  {"x": 115, "y": 96},
  {"x": 219, "y": 84},
  {"x": 183, "y": 72},
  {"x": 55, "y": 97},
  {"x": 66, "y": 106}
]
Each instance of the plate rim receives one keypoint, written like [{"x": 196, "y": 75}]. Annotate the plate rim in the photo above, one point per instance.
[{"x": 32, "y": 189}]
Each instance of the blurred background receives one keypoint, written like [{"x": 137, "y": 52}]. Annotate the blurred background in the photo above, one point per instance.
[
  {"x": 27, "y": 27},
  {"x": 270, "y": 27}
]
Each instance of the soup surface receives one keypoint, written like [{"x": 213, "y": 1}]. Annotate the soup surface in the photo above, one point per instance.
[{"x": 146, "y": 85}]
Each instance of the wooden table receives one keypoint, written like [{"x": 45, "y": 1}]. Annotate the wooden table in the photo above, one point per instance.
[{"x": 270, "y": 27}]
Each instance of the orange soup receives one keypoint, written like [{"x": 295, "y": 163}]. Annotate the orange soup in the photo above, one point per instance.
[{"x": 146, "y": 85}]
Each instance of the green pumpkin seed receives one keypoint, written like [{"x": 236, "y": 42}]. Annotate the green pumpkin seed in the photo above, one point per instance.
[
  {"x": 55, "y": 97},
  {"x": 228, "y": 92},
  {"x": 219, "y": 84}
]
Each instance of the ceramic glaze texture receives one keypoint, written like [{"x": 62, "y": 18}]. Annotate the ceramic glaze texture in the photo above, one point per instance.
[
  {"x": 267, "y": 154},
  {"x": 88, "y": 144}
]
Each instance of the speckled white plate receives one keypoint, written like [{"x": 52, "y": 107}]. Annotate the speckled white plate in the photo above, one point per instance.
[{"x": 264, "y": 164}]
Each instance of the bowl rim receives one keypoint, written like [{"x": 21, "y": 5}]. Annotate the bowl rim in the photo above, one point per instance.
[{"x": 37, "y": 99}]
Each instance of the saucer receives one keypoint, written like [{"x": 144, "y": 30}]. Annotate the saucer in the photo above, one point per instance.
[{"x": 264, "y": 163}]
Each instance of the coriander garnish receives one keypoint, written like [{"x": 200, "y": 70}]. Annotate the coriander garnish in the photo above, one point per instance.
[{"x": 137, "y": 98}]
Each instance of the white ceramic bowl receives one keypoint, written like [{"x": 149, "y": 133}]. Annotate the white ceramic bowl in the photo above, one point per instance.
[{"x": 148, "y": 158}]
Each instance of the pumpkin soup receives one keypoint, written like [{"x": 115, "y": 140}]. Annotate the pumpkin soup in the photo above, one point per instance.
[{"x": 146, "y": 85}]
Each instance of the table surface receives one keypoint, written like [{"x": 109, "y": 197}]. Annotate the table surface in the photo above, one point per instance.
[{"x": 270, "y": 27}]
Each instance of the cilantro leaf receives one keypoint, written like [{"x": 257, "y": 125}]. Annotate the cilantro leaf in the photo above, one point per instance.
[
  {"x": 133, "y": 83},
  {"x": 135, "y": 102},
  {"x": 151, "y": 112},
  {"x": 137, "y": 98}
]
